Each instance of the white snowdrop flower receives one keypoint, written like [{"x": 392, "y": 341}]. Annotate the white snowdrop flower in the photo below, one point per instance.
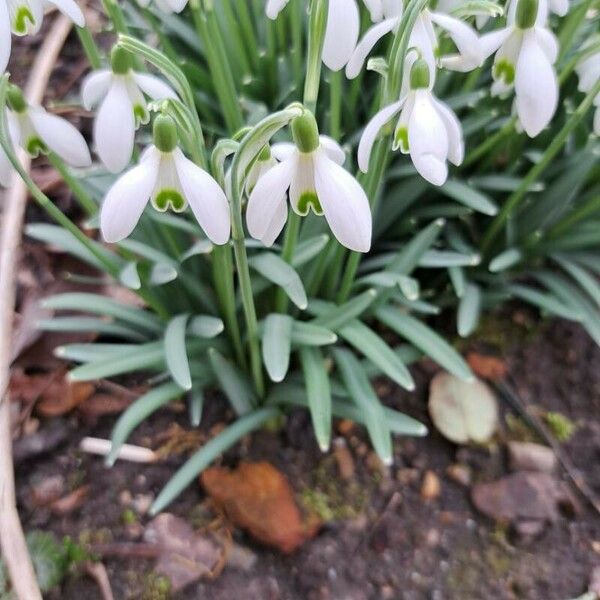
[
  {"x": 341, "y": 34},
  {"x": 423, "y": 36},
  {"x": 166, "y": 6},
  {"x": 559, "y": 7},
  {"x": 263, "y": 164},
  {"x": 168, "y": 179},
  {"x": 311, "y": 170},
  {"x": 24, "y": 17},
  {"x": 427, "y": 129},
  {"x": 525, "y": 54},
  {"x": 38, "y": 131},
  {"x": 588, "y": 71},
  {"x": 119, "y": 91}
]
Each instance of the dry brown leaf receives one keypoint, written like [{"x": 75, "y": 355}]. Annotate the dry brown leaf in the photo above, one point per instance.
[
  {"x": 487, "y": 367},
  {"x": 258, "y": 498},
  {"x": 62, "y": 396}
]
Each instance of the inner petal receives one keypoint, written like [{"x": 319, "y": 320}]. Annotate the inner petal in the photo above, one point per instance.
[
  {"x": 167, "y": 191},
  {"x": 303, "y": 195}
]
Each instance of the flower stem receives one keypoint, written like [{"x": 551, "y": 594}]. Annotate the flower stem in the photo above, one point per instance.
[
  {"x": 85, "y": 200},
  {"x": 490, "y": 142},
  {"x": 289, "y": 245},
  {"x": 89, "y": 47},
  {"x": 335, "y": 114},
  {"x": 316, "y": 37}
]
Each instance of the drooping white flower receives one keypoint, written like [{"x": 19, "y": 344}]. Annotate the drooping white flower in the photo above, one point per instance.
[
  {"x": 24, "y": 17},
  {"x": 341, "y": 34},
  {"x": 423, "y": 37},
  {"x": 427, "y": 129},
  {"x": 588, "y": 71},
  {"x": 120, "y": 93},
  {"x": 311, "y": 170},
  {"x": 38, "y": 131},
  {"x": 166, "y": 6},
  {"x": 525, "y": 53},
  {"x": 168, "y": 179}
]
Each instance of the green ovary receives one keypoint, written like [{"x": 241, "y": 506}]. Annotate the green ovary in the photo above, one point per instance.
[
  {"x": 169, "y": 197},
  {"x": 141, "y": 115},
  {"x": 401, "y": 139},
  {"x": 307, "y": 201},
  {"x": 22, "y": 15},
  {"x": 35, "y": 147},
  {"x": 505, "y": 71}
]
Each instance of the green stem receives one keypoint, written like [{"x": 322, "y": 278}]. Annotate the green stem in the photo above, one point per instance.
[
  {"x": 316, "y": 37},
  {"x": 289, "y": 245},
  {"x": 296, "y": 21},
  {"x": 587, "y": 209},
  {"x": 553, "y": 149},
  {"x": 115, "y": 14},
  {"x": 89, "y": 47},
  {"x": 571, "y": 26},
  {"x": 85, "y": 200},
  {"x": 335, "y": 116}
]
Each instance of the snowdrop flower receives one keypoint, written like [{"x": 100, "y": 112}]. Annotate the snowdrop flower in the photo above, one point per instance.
[
  {"x": 427, "y": 129},
  {"x": 525, "y": 52},
  {"x": 167, "y": 6},
  {"x": 263, "y": 164},
  {"x": 168, "y": 179},
  {"x": 311, "y": 169},
  {"x": 341, "y": 34},
  {"x": 24, "y": 17},
  {"x": 38, "y": 131},
  {"x": 120, "y": 93},
  {"x": 588, "y": 71},
  {"x": 423, "y": 37},
  {"x": 559, "y": 7}
]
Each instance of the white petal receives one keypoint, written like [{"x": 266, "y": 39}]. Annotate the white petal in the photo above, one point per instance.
[
  {"x": 283, "y": 150},
  {"x": 114, "y": 128},
  {"x": 456, "y": 143},
  {"x": 276, "y": 225},
  {"x": 490, "y": 42},
  {"x": 423, "y": 37},
  {"x": 333, "y": 149},
  {"x": 548, "y": 43},
  {"x": 371, "y": 132},
  {"x": 125, "y": 201},
  {"x": 274, "y": 7},
  {"x": 206, "y": 199},
  {"x": 303, "y": 182},
  {"x": 341, "y": 35},
  {"x": 94, "y": 87},
  {"x": 364, "y": 47},
  {"x": 5, "y": 40},
  {"x": 154, "y": 87},
  {"x": 61, "y": 137},
  {"x": 264, "y": 210},
  {"x": 588, "y": 71},
  {"x": 375, "y": 8},
  {"x": 71, "y": 9},
  {"x": 428, "y": 139},
  {"x": 392, "y": 8},
  {"x": 536, "y": 86},
  {"x": 344, "y": 203},
  {"x": 559, "y": 7},
  {"x": 465, "y": 38},
  {"x": 176, "y": 6}
]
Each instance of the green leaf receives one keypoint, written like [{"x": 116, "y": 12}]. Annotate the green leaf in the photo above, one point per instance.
[
  {"x": 362, "y": 393},
  {"x": 176, "y": 352},
  {"x": 408, "y": 286},
  {"x": 333, "y": 317},
  {"x": 437, "y": 259},
  {"x": 234, "y": 384},
  {"x": 318, "y": 393},
  {"x": 546, "y": 302},
  {"x": 426, "y": 340},
  {"x": 200, "y": 247},
  {"x": 469, "y": 310},
  {"x": 83, "y": 353},
  {"x": 277, "y": 345},
  {"x": 130, "y": 277},
  {"x": 100, "y": 326},
  {"x": 587, "y": 282},
  {"x": 467, "y": 195},
  {"x": 505, "y": 260},
  {"x": 205, "y": 326},
  {"x": 195, "y": 407},
  {"x": 457, "y": 277},
  {"x": 162, "y": 273},
  {"x": 410, "y": 255},
  {"x": 308, "y": 249},
  {"x": 140, "y": 410},
  {"x": 208, "y": 453},
  {"x": 276, "y": 270},
  {"x": 308, "y": 334}
]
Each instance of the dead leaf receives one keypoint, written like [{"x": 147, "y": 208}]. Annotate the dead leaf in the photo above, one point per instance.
[
  {"x": 523, "y": 496},
  {"x": 62, "y": 396},
  {"x": 258, "y": 498},
  {"x": 102, "y": 405},
  {"x": 184, "y": 555},
  {"x": 487, "y": 367},
  {"x": 70, "y": 502}
]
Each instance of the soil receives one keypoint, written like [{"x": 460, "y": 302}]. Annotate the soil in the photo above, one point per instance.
[{"x": 383, "y": 539}]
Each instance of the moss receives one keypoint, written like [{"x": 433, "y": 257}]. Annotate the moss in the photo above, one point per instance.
[
  {"x": 561, "y": 426},
  {"x": 156, "y": 587}
]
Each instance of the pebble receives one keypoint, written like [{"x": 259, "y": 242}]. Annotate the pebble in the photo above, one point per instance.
[
  {"x": 460, "y": 474},
  {"x": 527, "y": 456},
  {"x": 431, "y": 487}
]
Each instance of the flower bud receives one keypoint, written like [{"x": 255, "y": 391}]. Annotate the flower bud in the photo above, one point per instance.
[
  {"x": 419, "y": 75},
  {"x": 14, "y": 97},
  {"x": 165, "y": 133},
  {"x": 306, "y": 132},
  {"x": 120, "y": 61},
  {"x": 527, "y": 11}
]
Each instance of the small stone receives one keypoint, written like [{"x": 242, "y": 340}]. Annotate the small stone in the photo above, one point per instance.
[
  {"x": 47, "y": 490},
  {"x": 142, "y": 503},
  {"x": 125, "y": 498},
  {"x": 529, "y": 529},
  {"x": 433, "y": 538},
  {"x": 345, "y": 426},
  {"x": 460, "y": 474},
  {"x": 431, "y": 487},
  {"x": 344, "y": 460},
  {"x": 596, "y": 546},
  {"x": 387, "y": 592},
  {"x": 527, "y": 456}
]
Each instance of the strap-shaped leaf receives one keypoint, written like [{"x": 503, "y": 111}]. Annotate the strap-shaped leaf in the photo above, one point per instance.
[
  {"x": 426, "y": 340},
  {"x": 333, "y": 317},
  {"x": 467, "y": 195},
  {"x": 100, "y": 326},
  {"x": 505, "y": 260},
  {"x": 141, "y": 409},
  {"x": 318, "y": 393},
  {"x": 162, "y": 273},
  {"x": 176, "y": 352},
  {"x": 277, "y": 345},
  {"x": 308, "y": 334},
  {"x": 200, "y": 247},
  {"x": 469, "y": 310},
  {"x": 234, "y": 384},
  {"x": 205, "y": 326},
  {"x": 408, "y": 258},
  {"x": 83, "y": 353},
  {"x": 457, "y": 277},
  {"x": 546, "y": 302},
  {"x": 276, "y": 270},
  {"x": 582, "y": 277},
  {"x": 437, "y": 259},
  {"x": 130, "y": 277},
  {"x": 408, "y": 285},
  {"x": 308, "y": 249},
  {"x": 366, "y": 399}
]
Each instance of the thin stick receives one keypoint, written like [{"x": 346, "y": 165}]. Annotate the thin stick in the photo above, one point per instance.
[{"x": 12, "y": 540}]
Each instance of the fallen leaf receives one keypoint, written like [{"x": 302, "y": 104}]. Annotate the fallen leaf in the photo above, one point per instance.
[
  {"x": 487, "y": 367},
  {"x": 258, "y": 498},
  {"x": 62, "y": 396},
  {"x": 102, "y": 405},
  {"x": 70, "y": 502},
  {"x": 184, "y": 555},
  {"x": 462, "y": 411},
  {"x": 523, "y": 496}
]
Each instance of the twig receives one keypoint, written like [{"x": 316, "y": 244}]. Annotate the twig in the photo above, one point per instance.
[
  {"x": 12, "y": 540},
  {"x": 511, "y": 396},
  {"x": 97, "y": 571},
  {"x": 128, "y": 452}
]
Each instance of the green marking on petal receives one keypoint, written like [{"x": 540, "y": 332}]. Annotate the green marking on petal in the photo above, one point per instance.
[
  {"x": 35, "y": 147},
  {"x": 141, "y": 115},
  {"x": 505, "y": 71},
  {"x": 22, "y": 15},
  {"x": 167, "y": 197},
  {"x": 308, "y": 201},
  {"x": 401, "y": 139}
]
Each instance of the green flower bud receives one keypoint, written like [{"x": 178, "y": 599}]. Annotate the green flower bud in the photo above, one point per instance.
[
  {"x": 120, "y": 61},
  {"x": 15, "y": 99},
  {"x": 419, "y": 75},
  {"x": 527, "y": 11},
  {"x": 305, "y": 132},
  {"x": 165, "y": 133}
]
